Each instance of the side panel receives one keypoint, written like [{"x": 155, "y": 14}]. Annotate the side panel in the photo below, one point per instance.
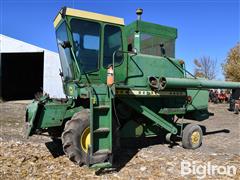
[
  {"x": 48, "y": 113},
  {"x": 142, "y": 66},
  {"x": 52, "y": 115},
  {"x": 40, "y": 115},
  {"x": 199, "y": 99}
]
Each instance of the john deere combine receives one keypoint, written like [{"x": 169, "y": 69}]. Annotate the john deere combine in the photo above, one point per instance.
[{"x": 120, "y": 82}]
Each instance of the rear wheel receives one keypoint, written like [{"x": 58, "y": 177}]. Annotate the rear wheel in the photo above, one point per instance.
[
  {"x": 76, "y": 137},
  {"x": 168, "y": 137},
  {"x": 192, "y": 136}
]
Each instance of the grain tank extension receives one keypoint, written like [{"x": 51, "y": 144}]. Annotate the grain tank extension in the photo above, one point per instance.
[{"x": 121, "y": 82}]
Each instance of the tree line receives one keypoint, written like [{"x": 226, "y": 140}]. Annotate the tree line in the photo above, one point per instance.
[{"x": 205, "y": 66}]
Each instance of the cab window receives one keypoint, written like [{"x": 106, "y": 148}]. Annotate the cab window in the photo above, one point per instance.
[
  {"x": 86, "y": 37},
  {"x": 112, "y": 43},
  {"x": 150, "y": 45},
  {"x": 64, "y": 53}
]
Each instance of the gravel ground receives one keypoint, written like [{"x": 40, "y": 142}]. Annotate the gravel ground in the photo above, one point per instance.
[{"x": 40, "y": 158}]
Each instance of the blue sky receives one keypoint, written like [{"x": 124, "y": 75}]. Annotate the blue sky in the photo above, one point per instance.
[{"x": 205, "y": 28}]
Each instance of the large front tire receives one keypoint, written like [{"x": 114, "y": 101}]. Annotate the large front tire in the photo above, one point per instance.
[{"x": 76, "y": 137}]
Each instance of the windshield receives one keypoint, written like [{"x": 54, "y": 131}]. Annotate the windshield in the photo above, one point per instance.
[
  {"x": 64, "y": 53},
  {"x": 86, "y": 37}
]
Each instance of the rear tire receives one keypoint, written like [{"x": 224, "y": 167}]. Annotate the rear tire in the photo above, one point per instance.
[
  {"x": 192, "y": 136},
  {"x": 168, "y": 137},
  {"x": 76, "y": 137}
]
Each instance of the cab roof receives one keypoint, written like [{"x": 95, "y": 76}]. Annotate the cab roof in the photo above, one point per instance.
[
  {"x": 151, "y": 28},
  {"x": 87, "y": 15}
]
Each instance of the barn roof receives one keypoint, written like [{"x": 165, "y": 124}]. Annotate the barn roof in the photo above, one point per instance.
[{"x": 11, "y": 45}]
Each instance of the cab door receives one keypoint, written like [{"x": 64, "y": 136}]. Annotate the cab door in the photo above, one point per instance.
[
  {"x": 113, "y": 41},
  {"x": 87, "y": 44}
]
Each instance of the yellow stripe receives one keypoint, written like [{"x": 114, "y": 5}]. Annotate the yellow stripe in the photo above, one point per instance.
[
  {"x": 90, "y": 15},
  {"x": 57, "y": 20}
]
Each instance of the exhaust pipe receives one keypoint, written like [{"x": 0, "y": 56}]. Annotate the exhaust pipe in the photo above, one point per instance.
[
  {"x": 153, "y": 82},
  {"x": 158, "y": 84}
]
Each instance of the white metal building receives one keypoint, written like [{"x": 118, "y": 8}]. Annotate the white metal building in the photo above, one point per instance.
[{"x": 26, "y": 69}]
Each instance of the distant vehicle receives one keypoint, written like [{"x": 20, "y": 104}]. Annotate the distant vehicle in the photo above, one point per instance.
[{"x": 233, "y": 98}]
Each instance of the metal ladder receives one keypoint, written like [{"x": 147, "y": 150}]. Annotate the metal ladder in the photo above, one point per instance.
[{"x": 100, "y": 151}]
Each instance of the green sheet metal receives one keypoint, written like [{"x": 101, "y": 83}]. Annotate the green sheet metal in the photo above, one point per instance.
[
  {"x": 199, "y": 99},
  {"x": 151, "y": 28},
  {"x": 150, "y": 114},
  {"x": 198, "y": 83},
  {"x": 100, "y": 124},
  {"x": 31, "y": 112},
  {"x": 47, "y": 113}
]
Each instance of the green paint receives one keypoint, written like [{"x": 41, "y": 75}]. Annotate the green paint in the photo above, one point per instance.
[
  {"x": 101, "y": 120},
  {"x": 150, "y": 114},
  {"x": 132, "y": 129},
  {"x": 199, "y": 83},
  {"x": 131, "y": 75}
]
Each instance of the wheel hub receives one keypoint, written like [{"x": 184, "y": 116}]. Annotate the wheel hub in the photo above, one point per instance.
[
  {"x": 195, "y": 137},
  {"x": 85, "y": 139}
]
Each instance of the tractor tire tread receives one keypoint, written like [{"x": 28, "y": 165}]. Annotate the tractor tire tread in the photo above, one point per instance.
[
  {"x": 71, "y": 134},
  {"x": 187, "y": 131}
]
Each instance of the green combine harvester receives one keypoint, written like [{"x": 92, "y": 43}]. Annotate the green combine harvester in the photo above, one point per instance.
[{"x": 121, "y": 82}]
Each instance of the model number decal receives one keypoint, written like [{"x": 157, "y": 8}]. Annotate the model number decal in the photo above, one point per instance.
[{"x": 149, "y": 93}]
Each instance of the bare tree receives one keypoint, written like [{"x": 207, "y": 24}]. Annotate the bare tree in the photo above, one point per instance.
[{"x": 205, "y": 67}]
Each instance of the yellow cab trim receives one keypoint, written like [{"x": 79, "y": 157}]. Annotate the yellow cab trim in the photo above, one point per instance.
[{"x": 89, "y": 15}]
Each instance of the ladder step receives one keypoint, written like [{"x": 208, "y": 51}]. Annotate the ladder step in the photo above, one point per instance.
[
  {"x": 172, "y": 111},
  {"x": 100, "y": 130},
  {"x": 101, "y": 107},
  {"x": 102, "y": 165},
  {"x": 102, "y": 151}
]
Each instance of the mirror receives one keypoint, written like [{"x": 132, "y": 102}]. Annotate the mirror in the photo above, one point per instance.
[
  {"x": 65, "y": 44},
  {"x": 60, "y": 72}
]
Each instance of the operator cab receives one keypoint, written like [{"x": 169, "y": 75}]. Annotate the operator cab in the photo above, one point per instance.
[{"x": 86, "y": 43}]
